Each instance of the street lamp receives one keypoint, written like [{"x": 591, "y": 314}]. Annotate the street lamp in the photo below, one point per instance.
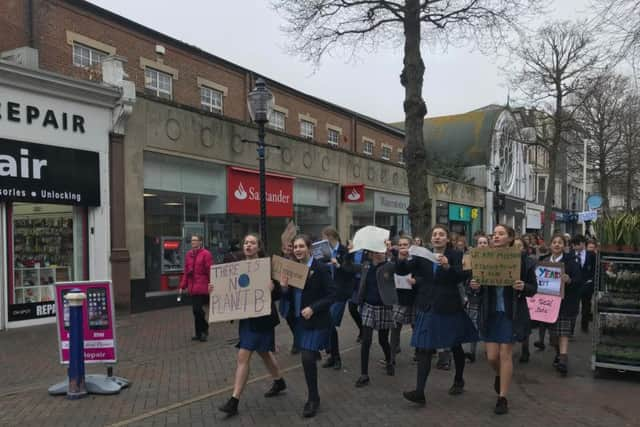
[
  {"x": 496, "y": 193},
  {"x": 260, "y": 103}
]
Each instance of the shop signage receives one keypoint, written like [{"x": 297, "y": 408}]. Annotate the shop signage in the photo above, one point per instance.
[
  {"x": 243, "y": 193},
  {"x": 390, "y": 203},
  {"x": 98, "y": 317},
  {"x": 353, "y": 193},
  {"x": 40, "y": 173},
  {"x": 47, "y": 118},
  {"x": 32, "y": 310},
  {"x": 459, "y": 213}
]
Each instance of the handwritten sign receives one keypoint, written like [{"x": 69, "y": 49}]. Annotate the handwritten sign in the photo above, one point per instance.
[
  {"x": 496, "y": 266},
  {"x": 240, "y": 290},
  {"x": 544, "y": 308},
  {"x": 421, "y": 252},
  {"x": 294, "y": 271},
  {"x": 402, "y": 282},
  {"x": 321, "y": 250},
  {"x": 549, "y": 278}
]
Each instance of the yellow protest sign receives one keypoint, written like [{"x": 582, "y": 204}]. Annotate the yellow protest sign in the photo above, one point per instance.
[{"x": 496, "y": 266}]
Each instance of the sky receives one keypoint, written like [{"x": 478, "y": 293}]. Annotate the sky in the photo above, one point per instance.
[{"x": 248, "y": 33}]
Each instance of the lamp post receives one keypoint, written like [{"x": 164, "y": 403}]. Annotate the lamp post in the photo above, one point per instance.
[
  {"x": 260, "y": 103},
  {"x": 496, "y": 193}
]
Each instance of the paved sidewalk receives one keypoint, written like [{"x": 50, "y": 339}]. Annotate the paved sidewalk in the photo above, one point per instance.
[{"x": 179, "y": 382}]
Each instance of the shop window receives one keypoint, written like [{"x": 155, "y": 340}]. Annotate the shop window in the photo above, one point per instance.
[
  {"x": 278, "y": 120},
  {"x": 158, "y": 83},
  {"x": 84, "y": 56},
  {"x": 47, "y": 247},
  {"x": 333, "y": 137},
  {"x": 211, "y": 99},
  {"x": 442, "y": 213},
  {"x": 307, "y": 129}
]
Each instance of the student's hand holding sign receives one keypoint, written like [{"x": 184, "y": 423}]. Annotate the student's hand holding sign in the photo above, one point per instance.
[{"x": 307, "y": 313}]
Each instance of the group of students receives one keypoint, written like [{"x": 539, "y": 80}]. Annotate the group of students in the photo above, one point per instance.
[{"x": 441, "y": 318}]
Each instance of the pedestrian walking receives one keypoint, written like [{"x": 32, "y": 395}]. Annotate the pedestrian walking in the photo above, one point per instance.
[
  {"x": 404, "y": 312},
  {"x": 376, "y": 298},
  {"x": 341, "y": 268},
  {"x": 564, "y": 326},
  {"x": 286, "y": 304},
  {"x": 312, "y": 318},
  {"x": 587, "y": 261},
  {"x": 504, "y": 317},
  {"x": 441, "y": 321},
  {"x": 256, "y": 335},
  {"x": 473, "y": 301},
  {"x": 195, "y": 280},
  {"x": 354, "y": 310}
]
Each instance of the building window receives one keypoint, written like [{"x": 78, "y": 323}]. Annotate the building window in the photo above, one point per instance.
[
  {"x": 278, "y": 120},
  {"x": 307, "y": 129},
  {"x": 386, "y": 152},
  {"x": 333, "y": 137},
  {"x": 542, "y": 186},
  {"x": 84, "y": 56},
  {"x": 368, "y": 147},
  {"x": 157, "y": 83},
  {"x": 211, "y": 99},
  {"x": 401, "y": 157}
]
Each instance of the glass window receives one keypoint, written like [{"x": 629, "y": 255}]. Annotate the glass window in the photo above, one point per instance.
[
  {"x": 157, "y": 83},
  {"x": 542, "y": 185},
  {"x": 333, "y": 137},
  {"x": 84, "y": 56},
  {"x": 307, "y": 129},
  {"x": 211, "y": 99},
  {"x": 368, "y": 147},
  {"x": 278, "y": 120},
  {"x": 386, "y": 152},
  {"x": 401, "y": 156}
]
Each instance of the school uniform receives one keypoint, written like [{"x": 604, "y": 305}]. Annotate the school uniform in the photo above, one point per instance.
[
  {"x": 258, "y": 333},
  {"x": 342, "y": 276},
  {"x": 587, "y": 261},
  {"x": 566, "y": 322},
  {"x": 404, "y": 313},
  {"x": 377, "y": 295},
  {"x": 504, "y": 314}
]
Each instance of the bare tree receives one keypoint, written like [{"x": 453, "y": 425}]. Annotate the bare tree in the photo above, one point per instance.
[
  {"x": 630, "y": 144},
  {"x": 318, "y": 26},
  {"x": 621, "y": 20},
  {"x": 554, "y": 65},
  {"x": 599, "y": 123}
]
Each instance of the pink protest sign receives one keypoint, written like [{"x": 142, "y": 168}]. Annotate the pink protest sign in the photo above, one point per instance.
[
  {"x": 98, "y": 321},
  {"x": 544, "y": 308}
]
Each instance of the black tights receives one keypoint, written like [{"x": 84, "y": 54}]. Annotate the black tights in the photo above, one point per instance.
[
  {"x": 310, "y": 367},
  {"x": 365, "y": 347},
  {"x": 424, "y": 365},
  {"x": 335, "y": 346},
  {"x": 355, "y": 315}
]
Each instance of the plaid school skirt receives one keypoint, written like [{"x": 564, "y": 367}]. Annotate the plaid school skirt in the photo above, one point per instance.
[
  {"x": 563, "y": 327},
  {"x": 404, "y": 314},
  {"x": 377, "y": 316}
]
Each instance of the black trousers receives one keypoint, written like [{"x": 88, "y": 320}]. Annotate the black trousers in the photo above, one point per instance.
[
  {"x": 197, "y": 304},
  {"x": 585, "y": 300}
]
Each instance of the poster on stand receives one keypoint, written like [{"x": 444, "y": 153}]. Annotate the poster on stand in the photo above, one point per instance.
[{"x": 98, "y": 321}]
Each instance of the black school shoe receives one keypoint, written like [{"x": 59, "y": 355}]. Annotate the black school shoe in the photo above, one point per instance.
[
  {"x": 457, "y": 388},
  {"x": 539, "y": 345},
  {"x": 524, "y": 357},
  {"x": 363, "y": 381},
  {"x": 231, "y": 407},
  {"x": 310, "y": 408},
  {"x": 415, "y": 397},
  {"x": 502, "y": 406},
  {"x": 277, "y": 387},
  {"x": 563, "y": 365},
  {"x": 329, "y": 363}
]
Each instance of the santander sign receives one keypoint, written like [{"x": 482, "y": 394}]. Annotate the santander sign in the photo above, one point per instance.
[
  {"x": 353, "y": 193},
  {"x": 244, "y": 195}
]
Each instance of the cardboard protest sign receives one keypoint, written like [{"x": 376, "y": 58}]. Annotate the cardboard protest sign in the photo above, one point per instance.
[
  {"x": 466, "y": 262},
  {"x": 370, "y": 238},
  {"x": 288, "y": 234},
  {"x": 421, "y": 252},
  {"x": 544, "y": 308},
  {"x": 321, "y": 250},
  {"x": 240, "y": 290},
  {"x": 402, "y": 282},
  {"x": 549, "y": 278},
  {"x": 296, "y": 272},
  {"x": 496, "y": 266}
]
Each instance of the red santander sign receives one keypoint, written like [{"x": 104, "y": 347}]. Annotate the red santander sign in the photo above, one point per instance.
[
  {"x": 243, "y": 193},
  {"x": 353, "y": 193}
]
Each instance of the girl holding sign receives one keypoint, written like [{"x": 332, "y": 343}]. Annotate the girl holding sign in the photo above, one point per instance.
[
  {"x": 256, "y": 335},
  {"x": 312, "y": 318},
  {"x": 404, "y": 313},
  {"x": 504, "y": 316},
  {"x": 441, "y": 321},
  {"x": 563, "y": 328}
]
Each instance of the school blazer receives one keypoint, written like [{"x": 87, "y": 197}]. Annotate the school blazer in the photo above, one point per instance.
[
  {"x": 319, "y": 293},
  {"x": 385, "y": 280},
  {"x": 344, "y": 274}
]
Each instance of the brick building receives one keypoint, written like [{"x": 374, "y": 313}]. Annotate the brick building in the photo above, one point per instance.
[{"x": 180, "y": 164}]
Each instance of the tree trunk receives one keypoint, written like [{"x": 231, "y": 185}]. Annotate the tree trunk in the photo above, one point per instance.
[
  {"x": 604, "y": 184},
  {"x": 550, "y": 194},
  {"x": 415, "y": 109}
]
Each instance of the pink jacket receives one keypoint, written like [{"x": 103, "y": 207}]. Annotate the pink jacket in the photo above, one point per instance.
[{"x": 197, "y": 267}]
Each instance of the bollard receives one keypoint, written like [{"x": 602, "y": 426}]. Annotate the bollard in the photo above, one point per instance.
[{"x": 77, "y": 387}]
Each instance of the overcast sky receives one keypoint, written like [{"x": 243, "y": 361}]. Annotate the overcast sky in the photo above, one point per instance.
[{"x": 247, "y": 32}]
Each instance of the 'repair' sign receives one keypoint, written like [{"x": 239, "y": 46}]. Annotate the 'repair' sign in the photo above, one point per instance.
[
  {"x": 40, "y": 173},
  {"x": 243, "y": 193}
]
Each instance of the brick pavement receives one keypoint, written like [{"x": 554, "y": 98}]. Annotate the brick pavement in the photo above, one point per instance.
[{"x": 177, "y": 382}]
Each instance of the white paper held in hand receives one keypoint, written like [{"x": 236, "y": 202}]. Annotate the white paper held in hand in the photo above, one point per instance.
[
  {"x": 370, "y": 238},
  {"x": 402, "y": 282},
  {"x": 421, "y": 252}
]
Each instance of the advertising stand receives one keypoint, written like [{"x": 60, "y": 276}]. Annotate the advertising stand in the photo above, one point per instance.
[{"x": 97, "y": 324}]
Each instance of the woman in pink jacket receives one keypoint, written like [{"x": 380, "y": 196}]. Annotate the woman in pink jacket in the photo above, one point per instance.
[{"x": 197, "y": 267}]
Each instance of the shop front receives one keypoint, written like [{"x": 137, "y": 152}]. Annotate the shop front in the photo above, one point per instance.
[
  {"x": 460, "y": 207},
  {"x": 534, "y": 218},
  {"x": 369, "y": 207},
  {"x": 54, "y": 190}
]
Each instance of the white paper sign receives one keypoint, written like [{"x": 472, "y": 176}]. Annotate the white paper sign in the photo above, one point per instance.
[
  {"x": 402, "y": 282},
  {"x": 421, "y": 252},
  {"x": 370, "y": 238}
]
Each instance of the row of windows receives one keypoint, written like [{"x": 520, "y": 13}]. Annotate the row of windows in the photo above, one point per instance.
[{"x": 160, "y": 84}]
